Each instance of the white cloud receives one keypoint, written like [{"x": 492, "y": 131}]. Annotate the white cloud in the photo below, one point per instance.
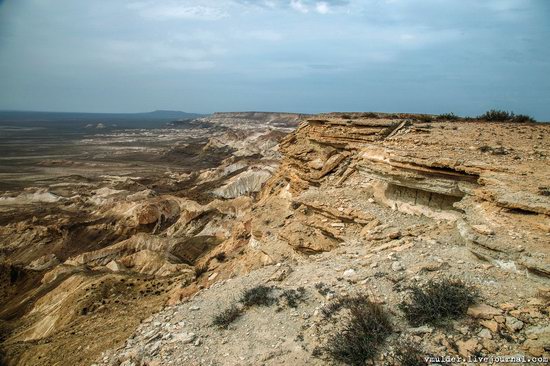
[
  {"x": 299, "y": 6},
  {"x": 166, "y": 10},
  {"x": 322, "y": 7}
]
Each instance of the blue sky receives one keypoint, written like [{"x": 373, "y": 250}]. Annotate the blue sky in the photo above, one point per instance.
[{"x": 432, "y": 56}]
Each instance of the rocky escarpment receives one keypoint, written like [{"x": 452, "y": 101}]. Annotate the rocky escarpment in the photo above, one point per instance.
[
  {"x": 253, "y": 119},
  {"x": 485, "y": 178},
  {"x": 374, "y": 204},
  {"x": 345, "y": 204},
  {"x": 364, "y": 204}
]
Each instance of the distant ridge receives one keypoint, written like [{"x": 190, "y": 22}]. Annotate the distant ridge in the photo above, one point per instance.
[{"x": 37, "y": 116}]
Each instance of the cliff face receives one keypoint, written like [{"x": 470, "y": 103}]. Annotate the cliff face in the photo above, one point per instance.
[
  {"x": 253, "y": 119},
  {"x": 490, "y": 180}
]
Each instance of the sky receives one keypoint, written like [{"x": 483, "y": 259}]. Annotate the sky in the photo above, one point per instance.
[{"x": 309, "y": 56}]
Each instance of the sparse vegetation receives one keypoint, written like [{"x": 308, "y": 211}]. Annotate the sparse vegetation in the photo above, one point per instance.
[
  {"x": 338, "y": 304},
  {"x": 293, "y": 297},
  {"x": 369, "y": 115},
  {"x": 496, "y": 116},
  {"x": 221, "y": 256},
  {"x": 438, "y": 301},
  {"x": 227, "y": 316},
  {"x": 424, "y": 118},
  {"x": 408, "y": 354},
  {"x": 200, "y": 270},
  {"x": 448, "y": 117},
  {"x": 322, "y": 288},
  {"x": 258, "y": 296},
  {"x": 367, "y": 325},
  {"x": 522, "y": 118},
  {"x": 503, "y": 116}
]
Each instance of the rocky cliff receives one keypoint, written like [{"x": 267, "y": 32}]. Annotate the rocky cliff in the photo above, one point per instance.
[
  {"x": 376, "y": 205},
  {"x": 343, "y": 205}
]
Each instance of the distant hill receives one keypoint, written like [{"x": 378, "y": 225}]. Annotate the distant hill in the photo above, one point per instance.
[
  {"x": 161, "y": 115},
  {"x": 55, "y": 121}
]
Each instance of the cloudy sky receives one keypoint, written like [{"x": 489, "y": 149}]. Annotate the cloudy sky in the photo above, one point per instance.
[{"x": 431, "y": 56}]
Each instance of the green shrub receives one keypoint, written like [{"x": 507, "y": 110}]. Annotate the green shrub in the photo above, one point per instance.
[
  {"x": 367, "y": 325},
  {"x": 497, "y": 116},
  {"x": 504, "y": 116},
  {"x": 522, "y": 118},
  {"x": 438, "y": 301}
]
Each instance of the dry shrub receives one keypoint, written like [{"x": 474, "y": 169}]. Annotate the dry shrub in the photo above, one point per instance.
[
  {"x": 227, "y": 316},
  {"x": 366, "y": 327},
  {"x": 438, "y": 301}
]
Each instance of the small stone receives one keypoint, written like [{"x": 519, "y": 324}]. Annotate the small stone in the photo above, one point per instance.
[
  {"x": 349, "y": 272},
  {"x": 185, "y": 338},
  {"x": 483, "y": 311},
  {"x": 485, "y": 333},
  {"x": 483, "y": 229},
  {"x": 513, "y": 324},
  {"x": 421, "y": 330},
  {"x": 397, "y": 266},
  {"x": 500, "y": 319},
  {"x": 431, "y": 266},
  {"x": 194, "y": 308},
  {"x": 213, "y": 276},
  {"x": 536, "y": 302},
  {"x": 491, "y": 325},
  {"x": 467, "y": 348},
  {"x": 489, "y": 345},
  {"x": 396, "y": 234},
  {"x": 153, "y": 348},
  {"x": 282, "y": 273},
  {"x": 507, "y": 306}
]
